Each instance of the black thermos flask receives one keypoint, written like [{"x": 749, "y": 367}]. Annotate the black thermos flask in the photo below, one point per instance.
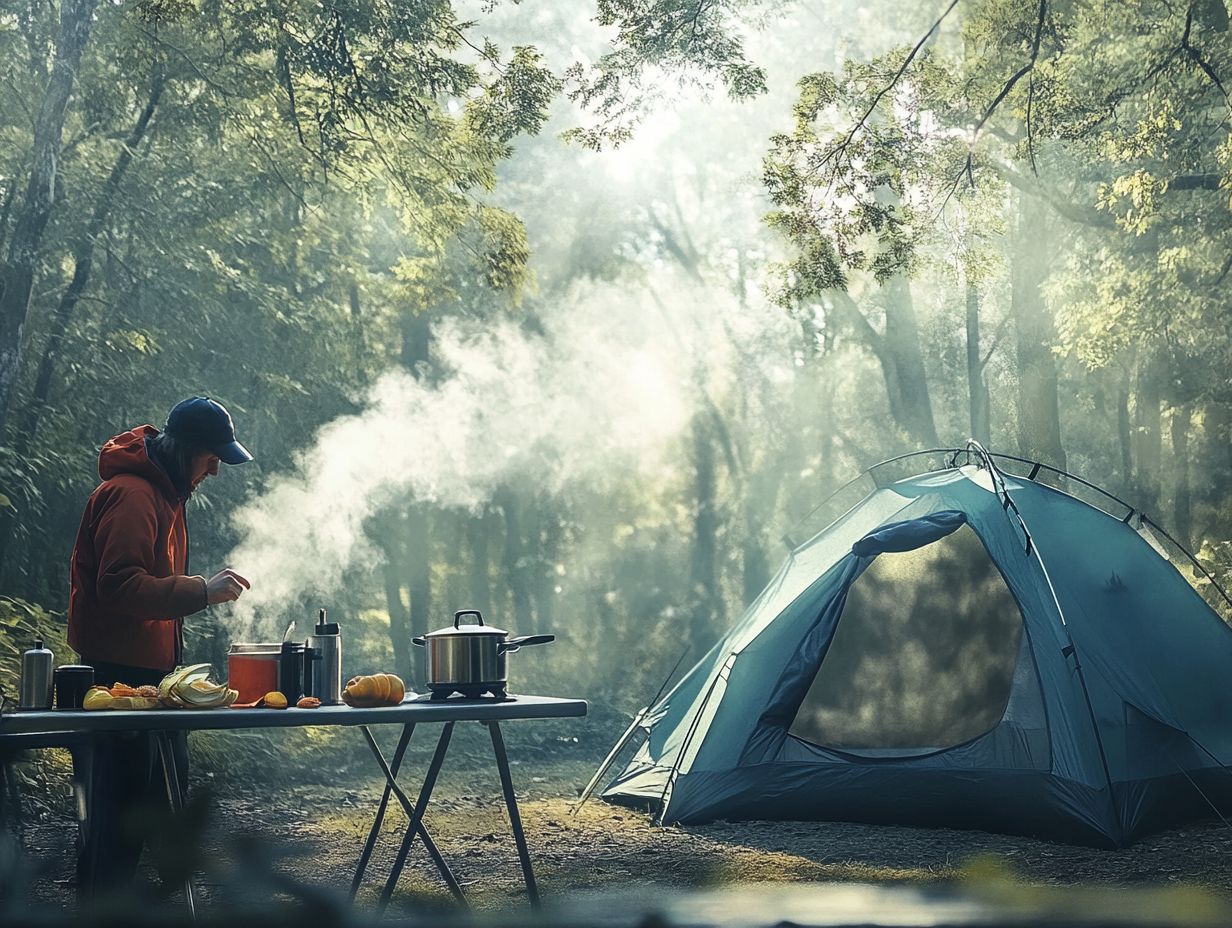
[
  {"x": 291, "y": 671},
  {"x": 311, "y": 656}
]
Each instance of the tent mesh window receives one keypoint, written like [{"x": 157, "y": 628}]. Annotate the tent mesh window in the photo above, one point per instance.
[{"x": 924, "y": 654}]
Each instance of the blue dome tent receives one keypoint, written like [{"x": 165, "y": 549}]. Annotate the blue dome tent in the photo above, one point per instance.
[{"x": 964, "y": 648}]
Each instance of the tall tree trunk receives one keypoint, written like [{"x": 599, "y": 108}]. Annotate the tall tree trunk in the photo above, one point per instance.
[
  {"x": 1039, "y": 417},
  {"x": 17, "y": 276},
  {"x": 1148, "y": 431},
  {"x": 419, "y": 577},
  {"x": 399, "y": 617},
  {"x": 83, "y": 258},
  {"x": 704, "y": 566},
  {"x": 899, "y": 354},
  {"x": 416, "y": 354},
  {"x": 1182, "y": 493},
  {"x": 6, "y": 210},
  {"x": 1125, "y": 434},
  {"x": 761, "y": 496},
  {"x": 754, "y": 563},
  {"x": 902, "y": 342},
  {"x": 825, "y": 404},
  {"x": 1217, "y": 451},
  {"x": 416, "y": 357},
  {"x": 545, "y": 576},
  {"x": 532, "y": 555},
  {"x": 515, "y": 559},
  {"x": 977, "y": 386},
  {"x": 83, "y": 261}
]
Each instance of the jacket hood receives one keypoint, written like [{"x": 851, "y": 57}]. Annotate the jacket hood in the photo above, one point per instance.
[{"x": 127, "y": 453}]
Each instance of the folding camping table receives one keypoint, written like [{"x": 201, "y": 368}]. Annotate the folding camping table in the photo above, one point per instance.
[{"x": 72, "y": 728}]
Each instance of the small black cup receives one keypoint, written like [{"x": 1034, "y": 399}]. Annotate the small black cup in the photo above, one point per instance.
[
  {"x": 72, "y": 682},
  {"x": 291, "y": 671}
]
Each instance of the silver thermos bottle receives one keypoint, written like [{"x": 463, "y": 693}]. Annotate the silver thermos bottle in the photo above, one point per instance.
[
  {"x": 36, "y": 678},
  {"x": 327, "y": 674}
]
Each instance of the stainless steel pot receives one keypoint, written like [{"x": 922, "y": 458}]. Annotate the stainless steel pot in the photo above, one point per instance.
[{"x": 470, "y": 658}]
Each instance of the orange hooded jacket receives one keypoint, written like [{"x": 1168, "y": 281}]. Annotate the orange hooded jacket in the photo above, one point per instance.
[{"x": 129, "y": 593}]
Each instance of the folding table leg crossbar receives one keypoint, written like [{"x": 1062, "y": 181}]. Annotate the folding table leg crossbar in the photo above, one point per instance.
[
  {"x": 391, "y": 786},
  {"x": 425, "y": 796},
  {"x": 81, "y": 730}
]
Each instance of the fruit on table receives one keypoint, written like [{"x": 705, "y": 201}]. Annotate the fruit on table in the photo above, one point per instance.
[
  {"x": 190, "y": 688},
  {"x": 308, "y": 702},
  {"x": 134, "y": 702},
  {"x": 119, "y": 696},
  {"x": 377, "y": 689},
  {"x": 273, "y": 700},
  {"x": 120, "y": 690},
  {"x": 97, "y": 697}
]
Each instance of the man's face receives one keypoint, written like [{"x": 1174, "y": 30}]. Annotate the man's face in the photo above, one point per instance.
[{"x": 204, "y": 465}]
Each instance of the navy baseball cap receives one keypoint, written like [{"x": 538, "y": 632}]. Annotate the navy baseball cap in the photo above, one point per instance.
[{"x": 205, "y": 423}]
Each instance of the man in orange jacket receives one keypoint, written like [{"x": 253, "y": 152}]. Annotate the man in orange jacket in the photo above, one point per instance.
[{"x": 130, "y": 592}]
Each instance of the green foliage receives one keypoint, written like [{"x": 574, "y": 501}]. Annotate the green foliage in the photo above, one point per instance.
[
  {"x": 1113, "y": 113},
  {"x": 296, "y": 157},
  {"x": 695, "y": 41},
  {"x": 516, "y": 102},
  {"x": 21, "y": 625},
  {"x": 321, "y": 183}
]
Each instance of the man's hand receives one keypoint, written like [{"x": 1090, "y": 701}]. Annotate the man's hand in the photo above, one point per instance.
[{"x": 225, "y": 587}]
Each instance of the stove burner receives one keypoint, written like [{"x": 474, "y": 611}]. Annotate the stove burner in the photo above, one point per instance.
[{"x": 487, "y": 692}]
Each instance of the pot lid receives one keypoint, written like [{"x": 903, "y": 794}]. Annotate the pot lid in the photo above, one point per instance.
[
  {"x": 244, "y": 647},
  {"x": 476, "y": 628}
]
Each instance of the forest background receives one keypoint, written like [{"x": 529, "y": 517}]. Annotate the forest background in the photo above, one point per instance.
[{"x": 571, "y": 313}]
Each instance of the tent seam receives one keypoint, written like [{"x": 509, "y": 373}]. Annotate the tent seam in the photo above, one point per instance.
[{"x": 1082, "y": 682}]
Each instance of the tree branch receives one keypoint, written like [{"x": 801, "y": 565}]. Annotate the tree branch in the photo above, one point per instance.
[
  {"x": 1066, "y": 207},
  {"x": 1020, "y": 73},
  {"x": 842, "y": 146},
  {"x": 996, "y": 342},
  {"x": 1028, "y": 68},
  {"x": 843, "y": 302},
  {"x": 1196, "y": 56},
  {"x": 188, "y": 60}
]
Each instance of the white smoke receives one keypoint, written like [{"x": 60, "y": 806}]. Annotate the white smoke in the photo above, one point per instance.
[{"x": 599, "y": 396}]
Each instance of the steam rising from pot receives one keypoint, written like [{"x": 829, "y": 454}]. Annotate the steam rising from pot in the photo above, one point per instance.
[{"x": 598, "y": 397}]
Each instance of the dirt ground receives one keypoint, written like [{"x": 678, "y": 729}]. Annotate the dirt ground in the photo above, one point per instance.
[{"x": 273, "y": 840}]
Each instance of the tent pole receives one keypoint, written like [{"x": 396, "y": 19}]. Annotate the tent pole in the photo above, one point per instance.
[
  {"x": 860, "y": 476},
  {"x": 1192, "y": 559},
  {"x": 688, "y": 738},
  {"x": 1082, "y": 682},
  {"x": 1205, "y": 750},
  {"x": 1036, "y": 466},
  {"x": 1007, "y": 503},
  {"x": 610, "y": 759},
  {"x": 628, "y": 735},
  {"x": 1198, "y": 789}
]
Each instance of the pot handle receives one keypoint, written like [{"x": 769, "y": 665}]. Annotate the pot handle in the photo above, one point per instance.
[
  {"x": 525, "y": 641},
  {"x": 457, "y": 616},
  {"x": 419, "y": 640}
]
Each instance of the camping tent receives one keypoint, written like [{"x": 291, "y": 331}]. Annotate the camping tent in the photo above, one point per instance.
[{"x": 963, "y": 648}]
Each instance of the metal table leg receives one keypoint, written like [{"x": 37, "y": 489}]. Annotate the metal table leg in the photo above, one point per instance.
[
  {"x": 176, "y": 798},
  {"x": 403, "y": 741},
  {"x": 391, "y": 786},
  {"x": 83, "y": 794},
  {"x": 515, "y": 819},
  {"x": 425, "y": 794}
]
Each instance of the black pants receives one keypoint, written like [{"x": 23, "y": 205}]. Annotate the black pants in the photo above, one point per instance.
[{"x": 123, "y": 782}]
